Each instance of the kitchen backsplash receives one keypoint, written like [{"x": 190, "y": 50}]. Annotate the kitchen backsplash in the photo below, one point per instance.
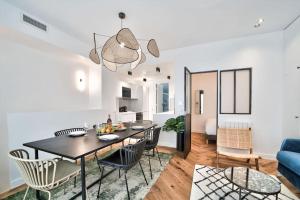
[{"x": 132, "y": 105}]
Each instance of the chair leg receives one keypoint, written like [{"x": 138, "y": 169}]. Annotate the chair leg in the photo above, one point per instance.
[
  {"x": 100, "y": 182},
  {"x": 158, "y": 156},
  {"x": 150, "y": 166},
  {"x": 95, "y": 156},
  {"x": 126, "y": 185},
  {"x": 218, "y": 160},
  {"x": 64, "y": 189},
  {"x": 119, "y": 173},
  {"x": 143, "y": 173},
  {"x": 49, "y": 195},
  {"x": 256, "y": 164},
  {"x": 75, "y": 179},
  {"x": 26, "y": 193}
]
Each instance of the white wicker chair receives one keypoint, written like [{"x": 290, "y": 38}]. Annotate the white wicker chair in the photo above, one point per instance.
[{"x": 43, "y": 175}]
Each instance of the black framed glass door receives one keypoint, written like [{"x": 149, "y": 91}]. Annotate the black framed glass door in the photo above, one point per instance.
[{"x": 187, "y": 108}]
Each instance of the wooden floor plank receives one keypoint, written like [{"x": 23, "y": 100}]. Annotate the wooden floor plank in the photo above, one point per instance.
[{"x": 176, "y": 180}]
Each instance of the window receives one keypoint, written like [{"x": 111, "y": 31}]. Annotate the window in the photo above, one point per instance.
[
  {"x": 235, "y": 91},
  {"x": 162, "y": 97}
]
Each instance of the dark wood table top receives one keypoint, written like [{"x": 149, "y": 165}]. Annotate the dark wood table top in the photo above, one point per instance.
[{"x": 76, "y": 147}]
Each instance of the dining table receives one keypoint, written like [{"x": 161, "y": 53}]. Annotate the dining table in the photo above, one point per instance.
[{"x": 75, "y": 148}]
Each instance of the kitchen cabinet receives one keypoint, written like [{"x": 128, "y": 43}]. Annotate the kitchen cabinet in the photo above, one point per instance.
[{"x": 126, "y": 117}]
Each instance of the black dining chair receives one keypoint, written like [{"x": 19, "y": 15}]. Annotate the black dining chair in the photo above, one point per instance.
[
  {"x": 66, "y": 132},
  {"x": 141, "y": 135},
  {"x": 124, "y": 159},
  {"x": 151, "y": 138}
]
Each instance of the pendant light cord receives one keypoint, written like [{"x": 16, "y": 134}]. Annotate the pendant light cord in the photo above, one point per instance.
[{"x": 95, "y": 42}]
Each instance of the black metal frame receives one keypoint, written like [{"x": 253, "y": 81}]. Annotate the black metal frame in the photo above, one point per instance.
[
  {"x": 152, "y": 140},
  {"x": 234, "y": 88},
  {"x": 130, "y": 155},
  {"x": 187, "y": 118}
]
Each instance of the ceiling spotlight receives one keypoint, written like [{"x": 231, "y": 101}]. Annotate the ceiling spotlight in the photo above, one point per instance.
[
  {"x": 130, "y": 73},
  {"x": 259, "y": 22},
  {"x": 157, "y": 69},
  {"x": 169, "y": 77},
  {"x": 144, "y": 79}
]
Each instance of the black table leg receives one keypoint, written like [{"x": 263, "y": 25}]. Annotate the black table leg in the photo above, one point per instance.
[
  {"x": 83, "y": 186},
  {"x": 36, "y": 156}
]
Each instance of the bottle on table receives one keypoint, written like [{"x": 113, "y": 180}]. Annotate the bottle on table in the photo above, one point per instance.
[{"x": 109, "y": 122}]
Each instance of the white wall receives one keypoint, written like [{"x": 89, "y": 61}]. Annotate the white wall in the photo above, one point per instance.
[
  {"x": 40, "y": 92},
  {"x": 291, "y": 100},
  {"x": 264, "y": 53}
]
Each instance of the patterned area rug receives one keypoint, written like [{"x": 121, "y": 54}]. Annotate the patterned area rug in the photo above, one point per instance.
[
  {"x": 112, "y": 187},
  {"x": 210, "y": 183}
]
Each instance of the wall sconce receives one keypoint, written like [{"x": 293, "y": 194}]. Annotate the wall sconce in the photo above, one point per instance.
[
  {"x": 157, "y": 69},
  {"x": 80, "y": 80}
]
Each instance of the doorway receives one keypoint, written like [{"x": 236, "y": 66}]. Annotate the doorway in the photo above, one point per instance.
[{"x": 204, "y": 104}]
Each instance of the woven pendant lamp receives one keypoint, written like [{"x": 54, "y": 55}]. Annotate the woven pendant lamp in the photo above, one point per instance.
[
  {"x": 94, "y": 56},
  {"x": 122, "y": 48},
  {"x": 134, "y": 64},
  {"x": 114, "y": 52},
  {"x": 143, "y": 59},
  {"x": 126, "y": 38},
  {"x": 153, "y": 48},
  {"x": 109, "y": 65}
]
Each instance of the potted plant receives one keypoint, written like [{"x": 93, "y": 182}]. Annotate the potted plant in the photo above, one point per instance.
[{"x": 177, "y": 125}]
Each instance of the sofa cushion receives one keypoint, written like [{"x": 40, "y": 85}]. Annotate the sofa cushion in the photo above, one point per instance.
[{"x": 290, "y": 160}]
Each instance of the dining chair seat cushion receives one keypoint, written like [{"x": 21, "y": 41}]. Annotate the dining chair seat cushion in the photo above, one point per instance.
[
  {"x": 150, "y": 145},
  {"x": 64, "y": 169},
  {"x": 114, "y": 159}
]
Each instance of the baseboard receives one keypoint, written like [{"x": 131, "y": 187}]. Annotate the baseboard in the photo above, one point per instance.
[
  {"x": 13, "y": 190},
  {"x": 16, "y": 182},
  {"x": 266, "y": 156}
]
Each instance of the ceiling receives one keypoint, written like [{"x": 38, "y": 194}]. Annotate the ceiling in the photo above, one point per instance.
[{"x": 173, "y": 23}]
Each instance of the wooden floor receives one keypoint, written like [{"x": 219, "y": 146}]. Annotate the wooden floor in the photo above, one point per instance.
[{"x": 176, "y": 180}]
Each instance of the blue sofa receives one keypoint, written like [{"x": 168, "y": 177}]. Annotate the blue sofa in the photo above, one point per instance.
[{"x": 289, "y": 161}]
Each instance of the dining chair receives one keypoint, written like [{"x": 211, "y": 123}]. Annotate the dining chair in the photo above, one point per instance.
[
  {"x": 43, "y": 175},
  {"x": 151, "y": 144},
  {"x": 68, "y": 131},
  {"x": 142, "y": 134},
  {"x": 124, "y": 159}
]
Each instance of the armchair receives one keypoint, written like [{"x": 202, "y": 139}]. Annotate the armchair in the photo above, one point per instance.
[{"x": 289, "y": 161}]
